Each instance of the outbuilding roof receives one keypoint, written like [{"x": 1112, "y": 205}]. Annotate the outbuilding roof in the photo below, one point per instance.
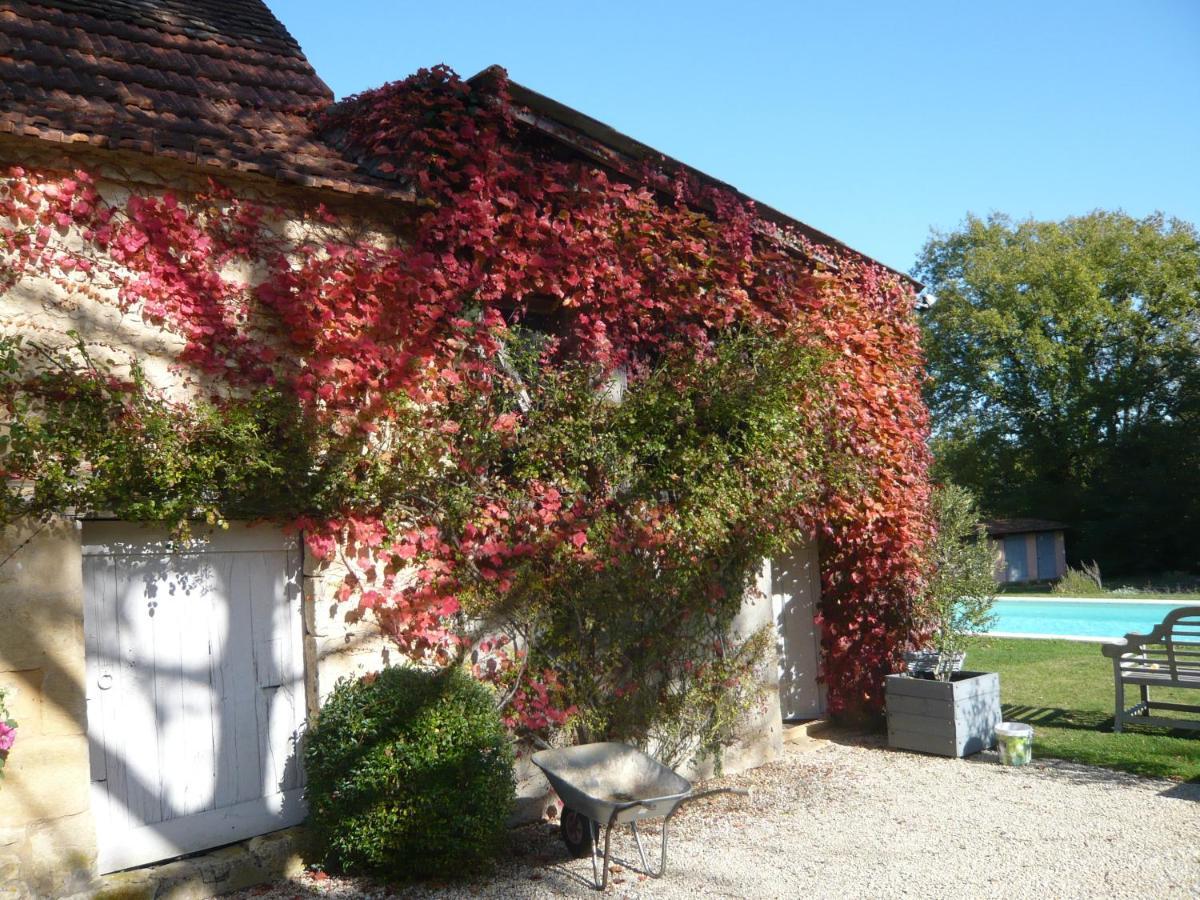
[{"x": 998, "y": 527}]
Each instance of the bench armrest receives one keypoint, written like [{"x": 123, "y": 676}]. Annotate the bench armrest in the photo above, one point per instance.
[{"x": 1117, "y": 649}]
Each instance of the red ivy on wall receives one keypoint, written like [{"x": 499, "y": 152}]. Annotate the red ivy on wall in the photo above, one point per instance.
[{"x": 636, "y": 264}]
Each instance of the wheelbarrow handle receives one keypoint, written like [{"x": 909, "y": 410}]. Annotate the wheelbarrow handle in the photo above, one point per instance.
[
  {"x": 630, "y": 804},
  {"x": 741, "y": 792}
]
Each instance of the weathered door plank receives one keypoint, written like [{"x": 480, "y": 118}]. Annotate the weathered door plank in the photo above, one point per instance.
[{"x": 200, "y": 653}]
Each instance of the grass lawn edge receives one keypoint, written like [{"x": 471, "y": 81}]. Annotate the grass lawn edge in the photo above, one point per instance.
[{"x": 1064, "y": 689}]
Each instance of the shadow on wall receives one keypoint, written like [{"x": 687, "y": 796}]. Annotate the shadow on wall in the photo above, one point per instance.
[
  {"x": 795, "y": 592},
  {"x": 44, "y": 797},
  {"x": 194, "y": 690}
]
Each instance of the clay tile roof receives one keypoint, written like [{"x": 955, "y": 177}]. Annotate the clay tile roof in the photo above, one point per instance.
[
  {"x": 210, "y": 82},
  {"x": 997, "y": 527}
]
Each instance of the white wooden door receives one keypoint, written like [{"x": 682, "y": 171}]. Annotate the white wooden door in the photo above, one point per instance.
[
  {"x": 795, "y": 580},
  {"x": 195, "y": 688}
]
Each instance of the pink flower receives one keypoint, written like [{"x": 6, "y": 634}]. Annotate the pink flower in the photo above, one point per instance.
[
  {"x": 8, "y": 737},
  {"x": 506, "y": 422}
]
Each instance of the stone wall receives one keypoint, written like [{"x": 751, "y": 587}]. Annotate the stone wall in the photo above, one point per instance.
[
  {"x": 340, "y": 643},
  {"x": 762, "y": 733},
  {"x": 760, "y": 736},
  {"x": 47, "y": 833},
  {"x": 47, "y": 836},
  {"x": 40, "y": 310}
]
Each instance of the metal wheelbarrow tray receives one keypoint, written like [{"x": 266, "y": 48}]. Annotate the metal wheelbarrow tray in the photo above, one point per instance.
[{"x": 614, "y": 784}]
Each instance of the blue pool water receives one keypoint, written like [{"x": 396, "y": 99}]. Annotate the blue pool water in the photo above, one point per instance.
[{"x": 1077, "y": 618}]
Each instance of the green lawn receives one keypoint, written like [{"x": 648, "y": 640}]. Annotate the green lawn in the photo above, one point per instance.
[{"x": 1065, "y": 690}]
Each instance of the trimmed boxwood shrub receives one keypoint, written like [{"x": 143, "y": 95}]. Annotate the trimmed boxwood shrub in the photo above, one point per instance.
[{"x": 410, "y": 775}]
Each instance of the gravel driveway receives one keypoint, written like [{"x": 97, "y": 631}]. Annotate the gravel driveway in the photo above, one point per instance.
[{"x": 854, "y": 819}]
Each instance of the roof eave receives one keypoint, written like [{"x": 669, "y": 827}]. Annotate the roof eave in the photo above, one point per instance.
[{"x": 605, "y": 145}]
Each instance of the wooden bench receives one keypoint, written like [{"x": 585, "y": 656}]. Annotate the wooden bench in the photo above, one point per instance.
[{"x": 1168, "y": 657}]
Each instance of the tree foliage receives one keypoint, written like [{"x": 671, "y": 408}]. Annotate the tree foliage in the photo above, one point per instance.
[{"x": 1065, "y": 364}]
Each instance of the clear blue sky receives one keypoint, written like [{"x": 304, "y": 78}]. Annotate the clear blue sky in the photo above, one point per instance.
[{"x": 871, "y": 121}]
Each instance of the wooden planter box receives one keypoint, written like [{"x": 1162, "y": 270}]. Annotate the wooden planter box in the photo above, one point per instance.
[{"x": 949, "y": 718}]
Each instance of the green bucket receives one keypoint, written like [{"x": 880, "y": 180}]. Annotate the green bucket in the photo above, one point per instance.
[{"x": 1015, "y": 740}]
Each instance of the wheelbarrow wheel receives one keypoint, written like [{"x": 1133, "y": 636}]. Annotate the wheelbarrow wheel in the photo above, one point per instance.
[{"x": 577, "y": 831}]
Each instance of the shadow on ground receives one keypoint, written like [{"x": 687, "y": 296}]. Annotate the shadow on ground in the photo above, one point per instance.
[
  {"x": 1083, "y": 720},
  {"x": 1058, "y": 717},
  {"x": 1188, "y": 790},
  {"x": 535, "y": 856},
  {"x": 1084, "y": 771}
]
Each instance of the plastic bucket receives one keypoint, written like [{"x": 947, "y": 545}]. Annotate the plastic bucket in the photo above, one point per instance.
[{"x": 1015, "y": 740}]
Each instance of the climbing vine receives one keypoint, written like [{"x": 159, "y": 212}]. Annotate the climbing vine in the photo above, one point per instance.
[
  {"x": 8, "y": 732},
  {"x": 543, "y": 421}
]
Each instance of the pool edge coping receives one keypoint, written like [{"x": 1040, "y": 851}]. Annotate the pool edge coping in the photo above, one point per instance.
[
  {"x": 1086, "y": 639},
  {"x": 1050, "y": 598}
]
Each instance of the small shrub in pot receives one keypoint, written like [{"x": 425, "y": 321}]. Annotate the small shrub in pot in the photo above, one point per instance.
[
  {"x": 410, "y": 775},
  {"x": 962, "y": 587},
  {"x": 949, "y": 712}
]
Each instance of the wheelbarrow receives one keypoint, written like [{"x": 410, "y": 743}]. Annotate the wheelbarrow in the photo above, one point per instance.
[{"x": 614, "y": 784}]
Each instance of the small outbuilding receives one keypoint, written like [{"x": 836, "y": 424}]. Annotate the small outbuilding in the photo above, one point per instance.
[{"x": 1027, "y": 549}]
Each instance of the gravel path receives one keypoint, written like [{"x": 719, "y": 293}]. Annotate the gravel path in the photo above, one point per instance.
[{"x": 856, "y": 820}]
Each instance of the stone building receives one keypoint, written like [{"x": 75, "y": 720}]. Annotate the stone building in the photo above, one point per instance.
[{"x": 151, "y": 727}]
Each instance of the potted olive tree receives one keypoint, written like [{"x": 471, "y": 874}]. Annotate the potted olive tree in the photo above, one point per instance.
[{"x": 936, "y": 706}]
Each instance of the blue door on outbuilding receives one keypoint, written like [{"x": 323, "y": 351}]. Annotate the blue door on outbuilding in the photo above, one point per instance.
[
  {"x": 1015, "y": 559},
  {"x": 1047, "y": 566}
]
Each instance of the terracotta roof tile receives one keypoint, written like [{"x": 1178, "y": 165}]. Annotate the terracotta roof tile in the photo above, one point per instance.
[{"x": 213, "y": 82}]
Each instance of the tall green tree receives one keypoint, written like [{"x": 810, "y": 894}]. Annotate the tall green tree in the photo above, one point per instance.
[{"x": 1065, "y": 367}]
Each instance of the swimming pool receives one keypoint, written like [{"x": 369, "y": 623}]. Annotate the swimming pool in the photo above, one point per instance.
[{"x": 1079, "y": 618}]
